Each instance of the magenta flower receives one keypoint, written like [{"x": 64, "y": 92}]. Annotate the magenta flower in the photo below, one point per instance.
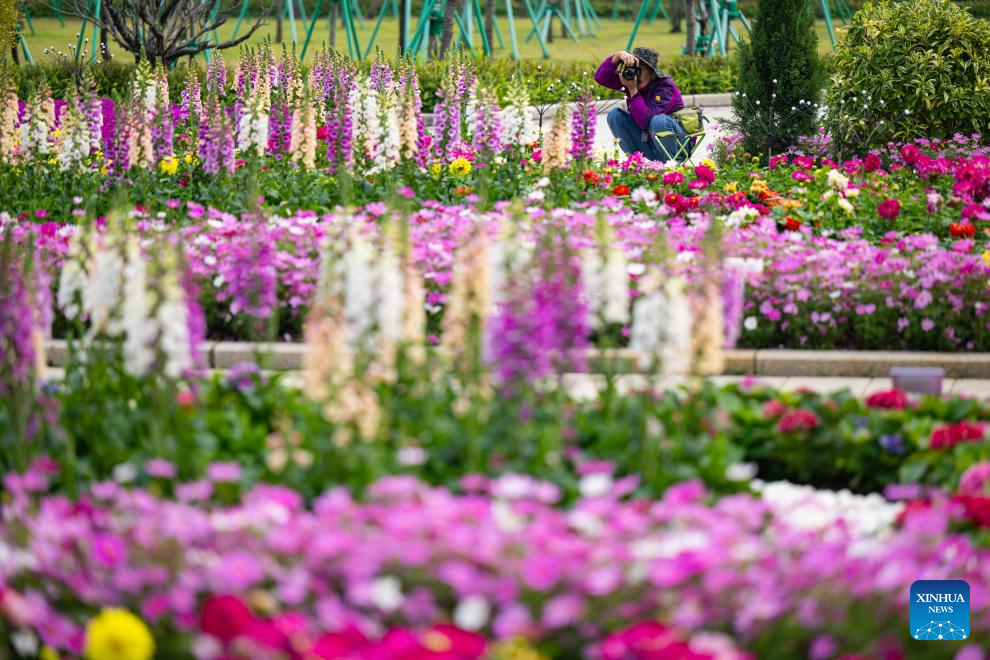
[{"x": 889, "y": 209}]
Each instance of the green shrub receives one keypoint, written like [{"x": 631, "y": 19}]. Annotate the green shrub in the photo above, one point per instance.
[
  {"x": 780, "y": 77},
  {"x": 907, "y": 70}
]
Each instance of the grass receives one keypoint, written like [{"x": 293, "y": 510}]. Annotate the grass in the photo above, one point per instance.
[{"x": 612, "y": 36}]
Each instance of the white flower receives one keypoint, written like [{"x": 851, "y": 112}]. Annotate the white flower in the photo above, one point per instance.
[
  {"x": 412, "y": 456},
  {"x": 845, "y": 205},
  {"x": 505, "y": 518},
  {"x": 740, "y": 471},
  {"x": 511, "y": 486},
  {"x": 741, "y": 216},
  {"x": 172, "y": 316},
  {"x": 124, "y": 473},
  {"x": 472, "y": 613},
  {"x": 661, "y": 325},
  {"x": 643, "y": 194},
  {"x": 386, "y": 593},
  {"x": 140, "y": 328},
  {"x": 606, "y": 285},
  {"x": 750, "y": 323},
  {"x": 837, "y": 180},
  {"x": 595, "y": 485},
  {"x": 25, "y": 643}
]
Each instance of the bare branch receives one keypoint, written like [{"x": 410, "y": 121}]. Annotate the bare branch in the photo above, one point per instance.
[{"x": 166, "y": 30}]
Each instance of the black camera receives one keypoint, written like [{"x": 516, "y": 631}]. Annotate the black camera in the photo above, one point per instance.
[{"x": 630, "y": 72}]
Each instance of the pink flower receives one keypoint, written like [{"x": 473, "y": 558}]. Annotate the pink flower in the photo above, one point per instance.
[
  {"x": 976, "y": 480},
  {"x": 797, "y": 420},
  {"x": 222, "y": 472},
  {"x": 910, "y": 154},
  {"x": 157, "y": 467},
  {"x": 705, "y": 173},
  {"x": 872, "y": 163},
  {"x": 889, "y": 209},
  {"x": 800, "y": 175},
  {"x": 894, "y": 399},
  {"x": 673, "y": 178},
  {"x": 108, "y": 549}
]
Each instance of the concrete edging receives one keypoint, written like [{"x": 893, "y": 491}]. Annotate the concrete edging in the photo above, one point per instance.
[{"x": 763, "y": 362}]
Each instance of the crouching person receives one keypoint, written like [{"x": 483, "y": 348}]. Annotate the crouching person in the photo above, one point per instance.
[{"x": 652, "y": 98}]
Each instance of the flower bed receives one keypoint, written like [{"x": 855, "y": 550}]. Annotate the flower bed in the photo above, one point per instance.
[
  {"x": 782, "y": 575},
  {"x": 800, "y": 291}
]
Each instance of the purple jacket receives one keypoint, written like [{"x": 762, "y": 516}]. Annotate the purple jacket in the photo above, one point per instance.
[{"x": 661, "y": 97}]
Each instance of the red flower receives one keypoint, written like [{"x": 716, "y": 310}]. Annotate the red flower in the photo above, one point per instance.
[
  {"x": 962, "y": 230},
  {"x": 322, "y": 133},
  {"x": 888, "y": 400},
  {"x": 676, "y": 202},
  {"x": 889, "y": 209},
  {"x": 950, "y": 435},
  {"x": 621, "y": 190},
  {"x": 910, "y": 154},
  {"x": 225, "y": 617},
  {"x": 872, "y": 163},
  {"x": 976, "y": 508},
  {"x": 792, "y": 224},
  {"x": 797, "y": 420},
  {"x": 591, "y": 177}
]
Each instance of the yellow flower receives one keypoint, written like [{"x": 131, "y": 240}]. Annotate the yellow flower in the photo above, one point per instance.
[
  {"x": 852, "y": 192},
  {"x": 52, "y": 160},
  {"x": 48, "y": 653},
  {"x": 731, "y": 187},
  {"x": 758, "y": 186},
  {"x": 516, "y": 648},
  {"x": 435, "y": 170},
  {"x": 986, "y": 258},
  {"x": 460, "y": 166},
  {"x": 709, "y": 163},
  {"x": 191, "y": 160},
  {"x": 169, "y": 165},
  {"x": 791, "y": 204},
  {"x": 846, "y": 205},
  {"x": 116, "y": 634}
]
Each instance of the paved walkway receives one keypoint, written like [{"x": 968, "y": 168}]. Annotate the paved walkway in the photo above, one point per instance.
[{"x": 585, "y": 385}]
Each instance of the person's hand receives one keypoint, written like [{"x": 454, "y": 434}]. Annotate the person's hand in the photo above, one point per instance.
[
  {"x": 631, "y": 85},
  {"x": 625, "y": 58}
]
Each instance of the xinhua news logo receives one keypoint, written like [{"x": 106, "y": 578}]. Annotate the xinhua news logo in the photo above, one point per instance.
[{"x": 940, "y": 610}]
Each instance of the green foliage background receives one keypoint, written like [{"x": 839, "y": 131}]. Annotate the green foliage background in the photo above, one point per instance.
[{"x": 927, "y": 57}]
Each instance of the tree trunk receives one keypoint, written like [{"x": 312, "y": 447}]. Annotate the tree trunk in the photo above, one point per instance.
[
  {"x": 689, "y": 46},
  {"x": 490, "y": 22},
  {"x": 104, "y": 50},
  {"x": 448, "y": 27},
  {"x": 278, "y": 21},
  {"x": 333, "y": 23}
]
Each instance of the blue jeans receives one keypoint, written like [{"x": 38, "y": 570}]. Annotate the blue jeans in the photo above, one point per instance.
[{"x": 632, "y": 138}]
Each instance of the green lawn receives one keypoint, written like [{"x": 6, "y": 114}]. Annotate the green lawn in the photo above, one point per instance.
[{"x": 609, "y": 38}]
